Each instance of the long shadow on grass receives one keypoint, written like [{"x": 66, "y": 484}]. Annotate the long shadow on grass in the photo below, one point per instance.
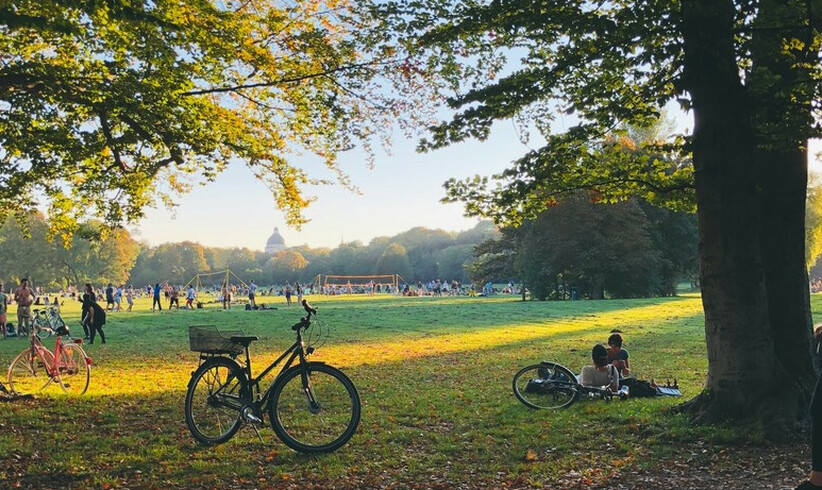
[
  {"x": 447, "y": 416},
  {"x": 141, "y": 335}
]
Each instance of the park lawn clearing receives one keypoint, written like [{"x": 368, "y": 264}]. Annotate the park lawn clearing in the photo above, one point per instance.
[{"x": 434, "y": 376}]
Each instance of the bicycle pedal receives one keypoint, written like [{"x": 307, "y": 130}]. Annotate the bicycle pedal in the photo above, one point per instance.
[{"x": 250, "y": 418}]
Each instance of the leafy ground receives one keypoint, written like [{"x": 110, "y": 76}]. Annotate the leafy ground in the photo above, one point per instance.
[{"x": 434, "y": 376}]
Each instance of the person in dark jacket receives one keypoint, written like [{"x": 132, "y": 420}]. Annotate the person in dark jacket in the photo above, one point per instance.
[
  {"x": 109, "y": 297},
  {"x": 94, "y": 317},
  {"x": 88, "y": 292}
]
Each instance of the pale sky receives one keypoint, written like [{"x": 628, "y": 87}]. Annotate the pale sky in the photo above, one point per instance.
[{"x": 402, "y": 191}]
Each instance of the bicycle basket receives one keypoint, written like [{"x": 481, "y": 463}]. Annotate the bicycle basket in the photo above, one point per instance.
[{"x": 207, "y": 339}]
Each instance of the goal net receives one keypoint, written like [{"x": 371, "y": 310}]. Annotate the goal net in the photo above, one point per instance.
[
  {"x": 205, "y": 280},
  {"x": 360, "y": 282}
]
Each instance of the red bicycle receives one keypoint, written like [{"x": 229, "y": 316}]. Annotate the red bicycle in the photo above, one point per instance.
[{"x": 34, "y": 369}]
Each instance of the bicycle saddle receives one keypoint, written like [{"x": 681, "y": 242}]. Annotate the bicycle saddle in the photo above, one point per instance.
[{"x": 242, "y": 340}]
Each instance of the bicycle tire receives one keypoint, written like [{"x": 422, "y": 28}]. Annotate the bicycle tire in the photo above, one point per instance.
[
  {"x": 41, "y": 331},
  {"x": 209, "y": 422},
  {"x": 75, "y": 370},
  {"x": 546, "y": 385},
  {"x": 28, "y": 373},
  {"x": 312, "y": 427}
]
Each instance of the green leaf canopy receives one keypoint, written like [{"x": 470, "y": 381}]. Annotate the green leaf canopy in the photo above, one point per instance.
[{"x": 106, "y": 106}]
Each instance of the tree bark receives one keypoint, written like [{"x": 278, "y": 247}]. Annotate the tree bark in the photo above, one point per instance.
[
  {"x": 783, "y": 187},
  {"x": 744, "y": 378},
  {"x": 783, "y": 108}
]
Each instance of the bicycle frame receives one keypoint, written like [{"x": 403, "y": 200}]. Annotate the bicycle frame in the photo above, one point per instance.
[
  {"x": 297, "y": 350},
  {"x": 37, "y": 348}
]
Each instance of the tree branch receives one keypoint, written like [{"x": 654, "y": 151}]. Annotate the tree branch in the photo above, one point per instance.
[
  {"x": 104, "y": 124},
  {"x": 272, "y": 83}
]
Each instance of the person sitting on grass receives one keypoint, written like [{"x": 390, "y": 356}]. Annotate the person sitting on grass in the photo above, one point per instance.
[
  {"x": 617, "y": 356},
  {"x": 601, "y": 374}
]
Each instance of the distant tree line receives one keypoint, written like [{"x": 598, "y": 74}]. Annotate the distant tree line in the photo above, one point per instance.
[
  {"x": 583, "y": 248},
  {"x": 596, "y": 250},
  {"x": 94, "y": 253},
  {"x": 97, "y": 254},
  {"x": 419, "y": 254}
]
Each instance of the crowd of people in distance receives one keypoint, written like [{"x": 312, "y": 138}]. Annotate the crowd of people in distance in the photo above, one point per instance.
[
  {"x": 26, "y": 297},
  {"x": 121, "y": 297}
]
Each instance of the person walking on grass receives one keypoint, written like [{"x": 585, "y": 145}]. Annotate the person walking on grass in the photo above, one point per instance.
[
  {"x": 252, "y": 293},
  {"x": 190, "y": 295},
  {"x": 130, "y": 297},
  {"x": 95, "y": 317},
  {"x": 4, "y": 307},
  {"x": 118, "y": 297},
  {"x": 157, "y": 298},
  {"x": 109, "y": 297},
  {"x": 226, "y": 292},
  {"x": 174, "y": 297},
  {"x": 24, "y": 297}
]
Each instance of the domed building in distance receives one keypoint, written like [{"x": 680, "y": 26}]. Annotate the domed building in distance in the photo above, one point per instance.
[{"x": 275, "y": 243}]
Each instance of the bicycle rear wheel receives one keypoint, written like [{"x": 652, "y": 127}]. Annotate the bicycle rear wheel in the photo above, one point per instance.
[
  {"x": 546, "y": 385},
  {"x": 217, "y": 392},
  {"x": 28, "y": 373},
  {"x": 41, "y": 329},
  {"x": 314, "y": 408},
  {"x": 75, "y": 369}
]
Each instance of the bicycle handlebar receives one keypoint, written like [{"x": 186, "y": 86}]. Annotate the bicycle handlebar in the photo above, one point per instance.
[
  {"x": 308, "y": 308},
  {"x": 306, "y": 320}
]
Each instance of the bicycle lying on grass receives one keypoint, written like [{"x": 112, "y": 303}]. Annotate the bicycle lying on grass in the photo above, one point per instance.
[
  {"x": 36, "y": 368},
  {"x": 552, "y": 385},
  {"x": 312, "y": 407}
]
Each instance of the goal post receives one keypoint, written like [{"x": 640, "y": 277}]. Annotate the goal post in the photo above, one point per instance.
[
  {"x": 333, "y": 280},
  {"x": 225, "y": 277}
]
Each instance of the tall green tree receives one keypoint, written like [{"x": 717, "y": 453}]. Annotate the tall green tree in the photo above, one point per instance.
[
  {"x": 749, "y": 72},
  {"x": 394, "y": 260},
  {"x": 93, "y": 254},
  {"x": 109, "y": 106},
  {"x": 286, "y": 266},
  {"x": 813, "y": 224}
]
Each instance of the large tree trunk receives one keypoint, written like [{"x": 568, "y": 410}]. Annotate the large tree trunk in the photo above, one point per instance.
[
  {"x": 783, "y": 106},
  {"x": 782, "y": 209},
  {"x": 744, "y": 377}
]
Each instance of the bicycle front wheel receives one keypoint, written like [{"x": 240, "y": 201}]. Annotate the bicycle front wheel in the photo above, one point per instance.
[
  {"x": 29, "y": 373},
  {"x": 75, "y": 369},
  {"x": 216, "y": 395},
  {"x": 314, "y": 408},
  {"x": 546, "y": 385},
  {"x": 41, "y": 330}
]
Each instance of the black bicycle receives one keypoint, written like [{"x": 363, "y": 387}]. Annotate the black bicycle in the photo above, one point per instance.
[
  {"x": 312, "y": 407},
  {"x": 552, "y": 385}
]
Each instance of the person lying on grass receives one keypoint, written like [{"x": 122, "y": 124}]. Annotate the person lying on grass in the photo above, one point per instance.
[{"x": 601, "y": 374}]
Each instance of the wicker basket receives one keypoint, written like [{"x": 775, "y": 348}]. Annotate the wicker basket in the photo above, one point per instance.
[{"x": 207, "y": 339}]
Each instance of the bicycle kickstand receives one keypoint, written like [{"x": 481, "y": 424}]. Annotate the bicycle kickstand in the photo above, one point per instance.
[{"x": 254, "y": 426}]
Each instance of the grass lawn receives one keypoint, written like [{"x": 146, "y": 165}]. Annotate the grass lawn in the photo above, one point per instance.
[{"x": 434, "y": 376}]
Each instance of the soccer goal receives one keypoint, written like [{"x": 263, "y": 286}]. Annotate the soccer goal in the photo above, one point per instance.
[
  {"x": 205, "y": 280},
  {"x": 359, "y": 283}
]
